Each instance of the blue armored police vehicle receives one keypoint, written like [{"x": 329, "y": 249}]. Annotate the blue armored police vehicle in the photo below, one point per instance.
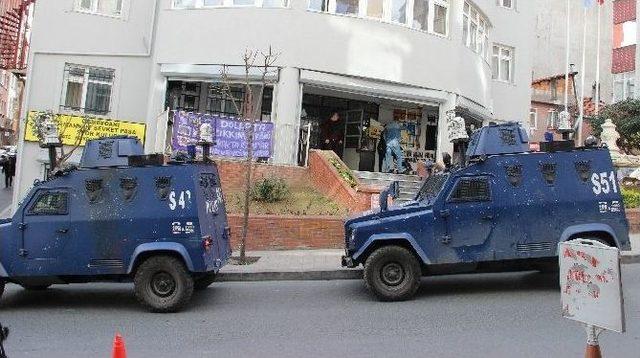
[
  {"x": 506, "y": 209},
  {"x": 121, "y": 216}
]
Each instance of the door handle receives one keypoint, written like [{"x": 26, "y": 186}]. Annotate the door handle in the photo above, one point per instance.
[
  {"x": 62, "y": 231},
  {"x": 487, "y": 217},
  {"x": 445, "y": 213}
]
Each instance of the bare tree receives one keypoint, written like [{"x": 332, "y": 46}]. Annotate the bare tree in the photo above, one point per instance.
[
  {"x": 38, "y": 127},
  {"x": 249, "y": 110}
]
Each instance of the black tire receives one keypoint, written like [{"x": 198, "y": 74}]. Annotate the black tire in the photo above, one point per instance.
[
  {"x": 593, "y": 238},
  {"x": 392, "y": 273},
  {"x": 1, "y": 287},
  {"x": 163, "y": 284},
  {"x": 201, "y": 283},
  {"x": 35, "y": 287}
]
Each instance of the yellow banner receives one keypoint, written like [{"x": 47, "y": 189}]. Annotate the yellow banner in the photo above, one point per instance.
[{"x": 98, "y": 127}]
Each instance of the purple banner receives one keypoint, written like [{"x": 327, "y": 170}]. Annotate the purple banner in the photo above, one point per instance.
[{"x": 229, "y": 134}]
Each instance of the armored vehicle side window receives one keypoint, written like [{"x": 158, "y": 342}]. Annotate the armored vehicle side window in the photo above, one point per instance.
[
  {"x": 471, "y": 189},
  {"x": 50, "y": 203}
]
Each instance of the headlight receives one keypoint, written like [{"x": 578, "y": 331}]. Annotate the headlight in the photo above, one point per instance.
[{"x": 352, "y": 240}]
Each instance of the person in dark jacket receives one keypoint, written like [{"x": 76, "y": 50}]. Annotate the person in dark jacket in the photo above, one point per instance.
[
  {"x": 382, "y": 150},
  {"x": 9, "y": 170},
  {"x": 333, "y": 134}
]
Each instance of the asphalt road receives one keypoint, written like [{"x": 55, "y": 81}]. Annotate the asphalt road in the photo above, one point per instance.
[{"x": 498, "y": 315}]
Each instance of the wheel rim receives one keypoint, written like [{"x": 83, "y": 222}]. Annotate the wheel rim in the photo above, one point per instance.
[
  {"x": 392, "y": 274},
  {"x": 163, "y": 284}
]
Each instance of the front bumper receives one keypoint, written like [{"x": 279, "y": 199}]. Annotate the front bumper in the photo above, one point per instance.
[{"x": 347, "y": 261}]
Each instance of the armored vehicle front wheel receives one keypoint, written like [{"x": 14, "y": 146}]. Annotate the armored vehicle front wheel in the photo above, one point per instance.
[
  {"x": 392, "y": 273},
  {"x": 163, "y": 284},
  {"x": 201, "y": 283}
]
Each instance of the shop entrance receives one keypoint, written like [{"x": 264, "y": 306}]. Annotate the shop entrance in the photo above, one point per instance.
[{"x": 352, "y": 126}]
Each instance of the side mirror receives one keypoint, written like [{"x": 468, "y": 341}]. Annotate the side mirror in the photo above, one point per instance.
[{"x": 393, "y": 190}]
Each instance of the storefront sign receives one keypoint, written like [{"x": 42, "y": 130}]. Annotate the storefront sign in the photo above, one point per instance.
[
  {"x": 456, "y": 127},
  {"x": 69, "y": 126},
  {"x": 230, "y": 135},
  {"x": 591, "y": 289}
]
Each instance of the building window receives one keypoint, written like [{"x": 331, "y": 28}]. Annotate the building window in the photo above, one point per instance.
[
  {"x": 506, "y": 3},
  {"x": 623, "y": 86},
  {"x": 87, "y": 89},
  {"x": 427, "y": 15},
  {"x": 431, "y": 16},
  {"x": 199, "y": 4},
  {"x": 533, "y": 119},
  {"x": 554, "y": 89},
  {"x": 552, "y": 119},
  {"x": 100, "y": 7},
  {"x": 502, "y": 63},
  {"x": 624, "y": 34},
  {"x": 475, "y": 30}
]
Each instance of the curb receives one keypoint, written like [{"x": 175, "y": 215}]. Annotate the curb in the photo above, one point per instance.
[
  {"x": 290, "y": 276},
  {"x": 630, "y": 259},
  {"x": 342, "y": 274}
]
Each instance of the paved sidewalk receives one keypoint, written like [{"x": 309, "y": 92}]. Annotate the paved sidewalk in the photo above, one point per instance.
[
  {"x": 324, "y": 265},
  {"x": 291, "y": 265}
]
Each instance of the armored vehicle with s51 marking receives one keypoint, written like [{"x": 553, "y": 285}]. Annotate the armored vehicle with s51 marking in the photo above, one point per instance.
[{"x": 506, "y": 209}]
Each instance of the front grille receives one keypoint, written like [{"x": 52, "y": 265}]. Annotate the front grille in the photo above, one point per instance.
[{"x": 534, "y": 246}]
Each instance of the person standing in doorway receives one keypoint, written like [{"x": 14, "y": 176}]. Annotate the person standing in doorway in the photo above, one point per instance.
[
  {"x": 9, "y": 170},
  {"x": 392, "y": 135},
  {"x": 382, "y": 151},
  {"x": 333, "y": 134}
]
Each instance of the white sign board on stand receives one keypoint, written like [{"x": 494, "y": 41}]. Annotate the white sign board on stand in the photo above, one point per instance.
[{"x": 590, "y": 284}]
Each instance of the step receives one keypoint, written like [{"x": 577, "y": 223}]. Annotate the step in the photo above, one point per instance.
[
  {"x": 381, "y": 183},
  {"x": 386, "y": 176}
]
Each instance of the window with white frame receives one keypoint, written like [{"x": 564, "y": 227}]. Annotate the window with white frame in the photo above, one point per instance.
[
  {"x": 87, "y": 89},
  {"x": 552, "y": 119},
  {"x": 509, "y": 4},
  {"x": 623, "y": 86},
  {"x": 100, "y": 7},
  {"x": 475, "y": 30},
  {"x": 199, "y": 4},
  {"x": 502, "y": 63},
  {"x": 533, "y": 119},
  {"x": 426, "y": 15}
]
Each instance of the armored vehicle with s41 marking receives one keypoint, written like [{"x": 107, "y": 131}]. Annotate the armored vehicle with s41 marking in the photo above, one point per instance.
[
  {"x": 506, "y": 209},
  {"x": 121, "y": 216}
]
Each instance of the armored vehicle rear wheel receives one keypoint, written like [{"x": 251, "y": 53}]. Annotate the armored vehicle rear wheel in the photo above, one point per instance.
[
  {"x": 392, "y": 273},
  {"x": 162, "y": 284},
  {"x": 201, "y": 283},
  {"x": 35, "y": 287}
]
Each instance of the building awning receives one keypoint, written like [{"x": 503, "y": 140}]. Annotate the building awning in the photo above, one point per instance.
[
  {"x": 472, "y": 110},
  {"x": 372, "y": 88},
  {"x": 177, "y": 71}
]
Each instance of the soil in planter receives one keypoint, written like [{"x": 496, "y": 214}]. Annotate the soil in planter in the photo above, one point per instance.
[{"x": 302, "y": 201}]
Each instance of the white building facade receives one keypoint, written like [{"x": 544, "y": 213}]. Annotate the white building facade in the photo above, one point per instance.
[{"x": 365, "y": 59}]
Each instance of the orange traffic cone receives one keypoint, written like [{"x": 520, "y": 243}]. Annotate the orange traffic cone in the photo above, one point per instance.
[
  {"x": 119, "y": 350},
  {"x": 592, "y": 352}
]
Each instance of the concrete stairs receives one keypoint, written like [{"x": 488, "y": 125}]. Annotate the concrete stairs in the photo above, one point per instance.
[{"x": 409, "y": 184}]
